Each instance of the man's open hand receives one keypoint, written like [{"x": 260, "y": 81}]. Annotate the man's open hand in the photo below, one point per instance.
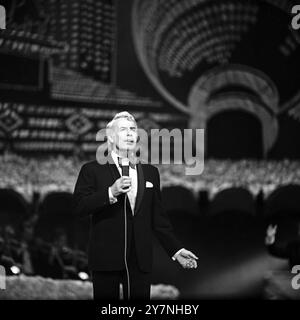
[
  {"x": 271, "y": 231},
  {"x": 270, "y": 236},
  {"x": 187, "y": 259}
]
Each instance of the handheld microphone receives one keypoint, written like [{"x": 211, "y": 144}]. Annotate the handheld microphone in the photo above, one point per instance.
[
  {"x": 125, "y": 166},
  {"x": 125, "y": 172}
]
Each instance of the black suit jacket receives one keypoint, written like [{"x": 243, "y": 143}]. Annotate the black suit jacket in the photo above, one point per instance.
[{"x": 106, "y": 241}]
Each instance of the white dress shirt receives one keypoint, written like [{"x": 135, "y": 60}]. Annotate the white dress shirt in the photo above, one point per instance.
[{"x": 132, "y": 193}]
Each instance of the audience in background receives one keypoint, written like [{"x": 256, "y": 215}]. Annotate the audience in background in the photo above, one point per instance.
[
  {"x": 32, "y": 255},
  {"x": 27, "y": 254},
  {"x": 27, "y": 175}
]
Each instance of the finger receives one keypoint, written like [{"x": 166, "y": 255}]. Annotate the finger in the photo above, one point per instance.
[
  {"x": 191, "y": 255},
  {"x": 125, "y": 189},
  {"x": 126, "y": 186},
  {"x": 191, "y": 264},
  {"x": 122, "y": 180}
]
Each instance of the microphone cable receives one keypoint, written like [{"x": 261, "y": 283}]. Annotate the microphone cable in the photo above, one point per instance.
[
  {"x": 125, "y": 248},
  {"x": 125, "y": 163}
]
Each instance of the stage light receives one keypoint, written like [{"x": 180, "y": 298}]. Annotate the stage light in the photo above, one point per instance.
[
  {"x": 15, "y": 270},
  {"x": 83, "y": 275}
]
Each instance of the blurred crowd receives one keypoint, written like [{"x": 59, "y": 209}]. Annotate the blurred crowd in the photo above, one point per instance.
[
  {"x": 27, "y": 175},
  {"x": 21, "y": 252},
  {"x": 254, "y": 175}
]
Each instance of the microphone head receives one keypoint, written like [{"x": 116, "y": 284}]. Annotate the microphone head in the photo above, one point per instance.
[
  {"x": 125, "y": 166},
  {"x": 124, "y": 162}
]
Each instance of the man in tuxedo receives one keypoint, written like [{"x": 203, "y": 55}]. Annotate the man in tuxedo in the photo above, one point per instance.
[{"x": 125, "y": 211}]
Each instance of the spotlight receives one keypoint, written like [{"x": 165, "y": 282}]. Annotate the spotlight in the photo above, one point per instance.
[
  {"x": 15, "y": 270},
  {"x": 83, "y": 275}
]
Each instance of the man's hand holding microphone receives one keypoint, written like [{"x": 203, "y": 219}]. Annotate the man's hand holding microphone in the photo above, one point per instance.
[{"x": 121, "y": 185}]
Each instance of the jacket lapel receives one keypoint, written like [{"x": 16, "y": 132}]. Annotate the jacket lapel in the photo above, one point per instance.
[
  {"x": 140, "y": 187},
  {"x": 113, "y": 168}
]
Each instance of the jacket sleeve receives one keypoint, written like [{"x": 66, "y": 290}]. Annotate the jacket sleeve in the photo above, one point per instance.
[
  {"x": 86, "y": 199},
  {"x": 161, "y": 223}
]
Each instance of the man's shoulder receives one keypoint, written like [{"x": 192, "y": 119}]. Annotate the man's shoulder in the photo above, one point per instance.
[
  {"x": 91, "y": 165},
  {"x": 149, "y": 167}
]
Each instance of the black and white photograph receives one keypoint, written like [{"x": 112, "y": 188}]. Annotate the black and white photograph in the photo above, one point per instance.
[{"x": 150, "y": 150}]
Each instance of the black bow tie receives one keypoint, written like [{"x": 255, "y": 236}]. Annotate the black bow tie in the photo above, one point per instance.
[{"x": 131, "y": 164}]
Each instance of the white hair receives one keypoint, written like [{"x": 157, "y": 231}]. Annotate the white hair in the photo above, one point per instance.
[{"x": 120, "y": 115}]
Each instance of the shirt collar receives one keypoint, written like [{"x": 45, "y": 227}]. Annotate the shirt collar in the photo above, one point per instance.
[{"x": 115, "y": 157}]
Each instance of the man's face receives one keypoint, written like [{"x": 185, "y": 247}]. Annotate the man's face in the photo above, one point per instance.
[{"x": 124, "y": 134}]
